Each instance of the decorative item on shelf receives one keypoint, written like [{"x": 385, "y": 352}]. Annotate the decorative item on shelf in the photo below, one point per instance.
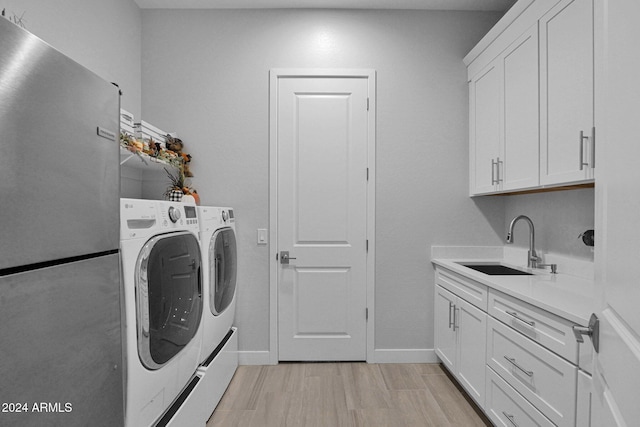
[
  {"x": 149, "y": 148},
  {"x": 179, "y": 189},
  {"x": 176, "y": 146},
  {"x": 175, "y": 196}
]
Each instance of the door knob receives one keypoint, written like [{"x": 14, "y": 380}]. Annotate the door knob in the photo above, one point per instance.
[
  {"x": 284, "y": 257},
  {"x": 593, "y": 331}
]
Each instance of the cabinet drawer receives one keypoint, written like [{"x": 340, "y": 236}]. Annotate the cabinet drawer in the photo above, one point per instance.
[
  {"x": 546, "y": 380},
  {"x": 553, "y": 332},
  {"x": 505, "y": 407},
  {"x": 473, "y": 292}
]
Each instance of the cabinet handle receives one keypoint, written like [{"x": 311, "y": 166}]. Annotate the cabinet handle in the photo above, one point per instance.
[
  {"x": 456, "y": 325},
  {"x": 513, "y": 362},
  {"x": 493, "y": 172},
  {"x": 511, "y": 418},
  {"x": 450, "y": 321},
  {"x": 498, "y": 163},
  {"x": 515, "y": 316},
  {"x": 593, "y": 147},
  {"x": 582, "y": 138}
]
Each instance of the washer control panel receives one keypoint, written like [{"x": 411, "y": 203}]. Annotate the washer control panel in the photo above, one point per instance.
[
  {"x": 227, "y": 216},
  {"x": 174, "y": 214}
]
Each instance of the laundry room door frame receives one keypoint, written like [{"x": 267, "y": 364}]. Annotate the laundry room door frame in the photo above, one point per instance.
[{"x": 274, "y": 77}]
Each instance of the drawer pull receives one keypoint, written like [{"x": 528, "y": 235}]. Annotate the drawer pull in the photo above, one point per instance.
[
  {"x": 510, "y": 418},
  {"x": 513, "y": 362},
  {"x": 515, "y": 316}
]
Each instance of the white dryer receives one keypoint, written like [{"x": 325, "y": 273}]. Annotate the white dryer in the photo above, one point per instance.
[
  {"x": 162, "y": 283},
  {"x": 219, "y": 351}
]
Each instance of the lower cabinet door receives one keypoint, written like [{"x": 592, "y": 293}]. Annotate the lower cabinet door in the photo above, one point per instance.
[
  {"x": 471, "y": 324},
  {"x": 445, "y": 334},
  {"x": 506, "y": 407}
]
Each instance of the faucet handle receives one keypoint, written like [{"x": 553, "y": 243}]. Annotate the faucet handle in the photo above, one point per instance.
[{"x": 554, "y": 267}]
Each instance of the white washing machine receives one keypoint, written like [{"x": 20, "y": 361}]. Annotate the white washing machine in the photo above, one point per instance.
[
  {"x": 162, "y": 281},
  {"x": 219, "y": 351}
]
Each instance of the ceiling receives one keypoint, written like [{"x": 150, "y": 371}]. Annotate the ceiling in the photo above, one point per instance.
[{"x": 468, "y": 5}]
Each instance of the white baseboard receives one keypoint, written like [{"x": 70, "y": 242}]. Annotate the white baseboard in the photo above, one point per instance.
[
  {"x": 380, "y": 356},
  {"x": 405, "y": 356},
  {"x": 254, "y": 357}
]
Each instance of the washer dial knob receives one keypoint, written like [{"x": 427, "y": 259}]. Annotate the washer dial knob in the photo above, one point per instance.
[
  {"x": 174, "y": 214},
  {"x": 225, "y": 216}
]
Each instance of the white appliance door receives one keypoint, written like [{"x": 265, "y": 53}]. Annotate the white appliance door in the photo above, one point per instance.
[
  {"x": 222, "y": 270},
  {"x": 168, "y": 296},
  {"x": 59, "y": 167}
]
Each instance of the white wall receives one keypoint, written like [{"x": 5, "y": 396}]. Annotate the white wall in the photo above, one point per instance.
[
  {"x": 104, "y": 36},
  {"x": 559, "y": 218},
  {"x": 205, "y": 75}
]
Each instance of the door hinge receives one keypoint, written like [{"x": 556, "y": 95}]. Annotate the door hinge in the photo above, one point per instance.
[
  {"x": 366, "y": 313},
  {"x": 367, "y": 104},
  {"x": 367, "y": 245},
  {"x": 367, "y": 174}
]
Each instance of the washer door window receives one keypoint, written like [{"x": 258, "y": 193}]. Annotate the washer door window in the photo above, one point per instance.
[
  {"x": 222, "y": 270},
  {"x": 169, "y": 296}
]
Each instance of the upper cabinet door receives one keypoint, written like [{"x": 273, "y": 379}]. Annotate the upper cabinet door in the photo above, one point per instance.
[
  {"x": 567, "y": 93},
  {"x": 520, "y": 168},
  {"x": 484, "y": 129}
]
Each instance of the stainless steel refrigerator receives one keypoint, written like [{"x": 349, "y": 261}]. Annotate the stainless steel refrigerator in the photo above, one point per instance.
[{"x": 60, "y": 320}]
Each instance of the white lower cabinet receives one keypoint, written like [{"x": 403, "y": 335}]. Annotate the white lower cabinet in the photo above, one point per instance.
[
  {"x": 460, "y": 341},
  {"x": 545, "y": 379},
  {"x": 584, "y": 401},
  {"x": 506, "y": 407},
  {"x": 517, "y": 361}
]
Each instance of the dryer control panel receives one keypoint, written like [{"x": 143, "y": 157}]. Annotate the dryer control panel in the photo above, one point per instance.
[{"x": 175, "y": 215}]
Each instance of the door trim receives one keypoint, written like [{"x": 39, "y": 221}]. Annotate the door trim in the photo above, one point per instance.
[{"x": 274, "y": 77}]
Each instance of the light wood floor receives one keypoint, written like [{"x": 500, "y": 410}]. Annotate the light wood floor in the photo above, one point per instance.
[{"x": 344, "y": 394}]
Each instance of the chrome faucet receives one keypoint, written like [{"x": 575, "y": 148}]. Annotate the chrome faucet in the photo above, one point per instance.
[{"x": 532, "y": 259}]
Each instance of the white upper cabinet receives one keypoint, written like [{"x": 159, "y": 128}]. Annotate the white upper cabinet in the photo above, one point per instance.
[
  {"x": 521, "y": 142},
  {"x": 567, "y": 93},
  {"x": 484, "y": 126},
  {"x": 503, "y": 112},
  {"x": 531, "y": 99}
]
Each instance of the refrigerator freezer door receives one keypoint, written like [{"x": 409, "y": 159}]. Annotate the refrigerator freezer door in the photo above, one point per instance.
[
  {"x": 61, "y": 345},
  {"x": 59, "y": 155}
]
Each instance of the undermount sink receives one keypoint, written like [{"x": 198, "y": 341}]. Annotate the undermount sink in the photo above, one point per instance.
[{"x": 496, "y": 270}]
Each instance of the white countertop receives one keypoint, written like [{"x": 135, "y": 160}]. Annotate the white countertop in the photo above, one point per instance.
[{"x": 567, "y": 296}]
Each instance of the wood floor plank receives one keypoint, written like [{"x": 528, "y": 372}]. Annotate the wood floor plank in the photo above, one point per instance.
[
  {"x": 245, "y": 388},
  {"x": 230, "y": 418},
  {"x": 364, "y": 386},
  {"x": 344, "y": 395},
  {"x": 458, "y": 410},
  {"x": 420, "y": 408},
  {"x": 398, "y": 376}
]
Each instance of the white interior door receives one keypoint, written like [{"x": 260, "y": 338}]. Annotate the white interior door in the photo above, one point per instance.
[
  {"x": 617, "y": 373},
  {"x": 322, "y": 160}
]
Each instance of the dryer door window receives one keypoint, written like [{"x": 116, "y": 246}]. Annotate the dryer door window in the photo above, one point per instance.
[
  {"x": 222, "y": 270},
  {"x": 168, "y": 296}
]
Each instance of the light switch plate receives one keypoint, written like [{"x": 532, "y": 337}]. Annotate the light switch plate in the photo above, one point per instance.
[{"x": 262, "y": 236}]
